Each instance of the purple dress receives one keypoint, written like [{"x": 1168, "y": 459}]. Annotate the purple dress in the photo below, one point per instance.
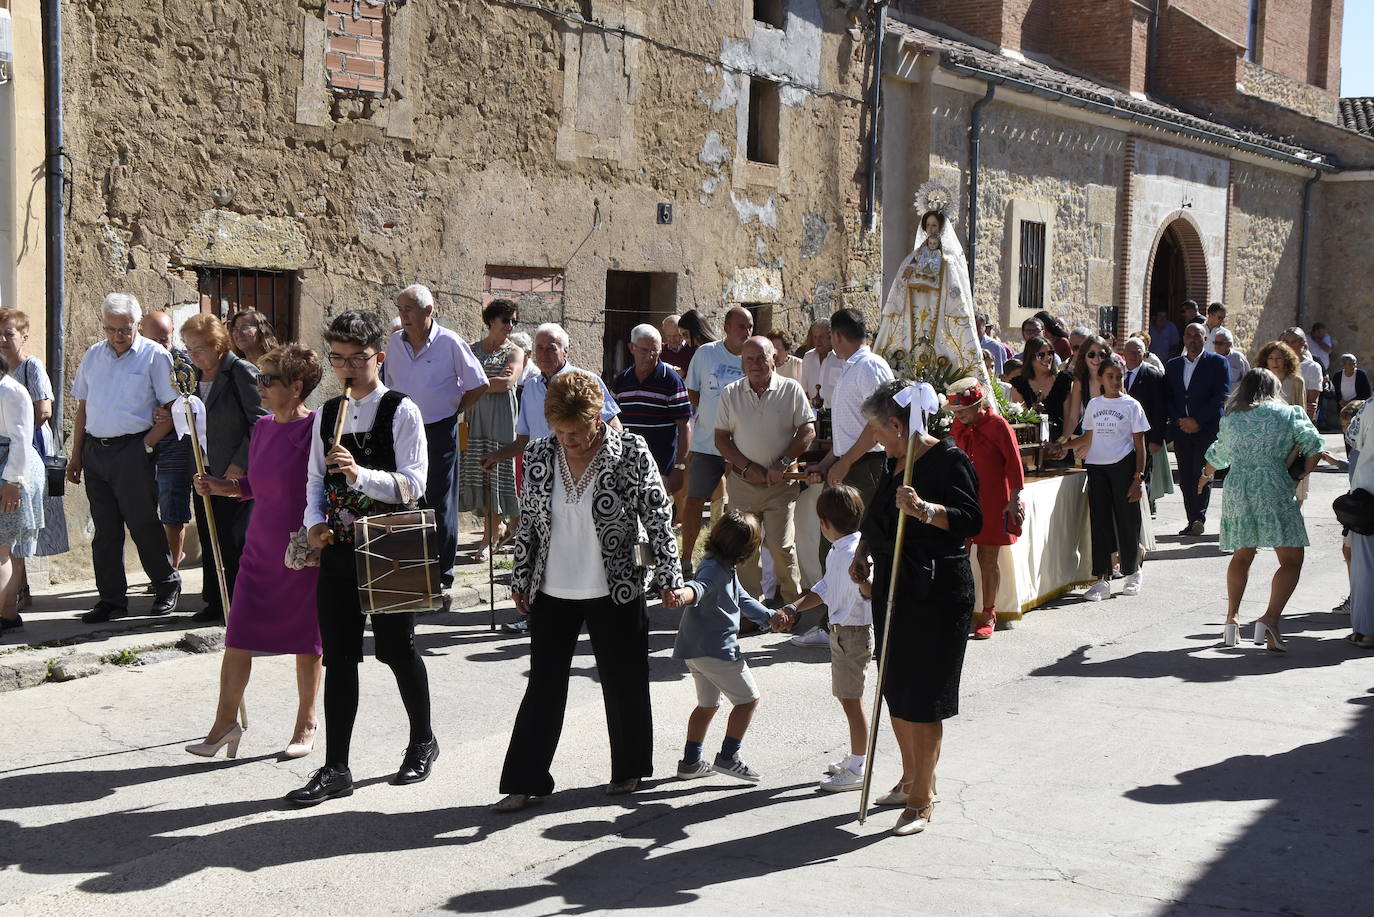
[{"x": 274, "y": 606}]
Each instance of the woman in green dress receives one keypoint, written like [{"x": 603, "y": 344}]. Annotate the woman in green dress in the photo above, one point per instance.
[
  {"x": 1260, "y": 507},
  {"x": 491, "y": 425}
]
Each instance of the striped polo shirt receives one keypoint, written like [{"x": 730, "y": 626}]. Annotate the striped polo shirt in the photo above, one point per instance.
[{"x": 652, "y": 408}]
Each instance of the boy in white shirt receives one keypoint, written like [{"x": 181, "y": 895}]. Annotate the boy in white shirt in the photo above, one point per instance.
[{"x": 840, "y": 510}]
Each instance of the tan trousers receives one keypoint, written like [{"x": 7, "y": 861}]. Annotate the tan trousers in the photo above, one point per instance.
[{"x": 773, "y": 506}]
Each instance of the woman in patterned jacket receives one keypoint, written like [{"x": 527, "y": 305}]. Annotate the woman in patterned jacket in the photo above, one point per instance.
[{"x": 589, "y": 492}]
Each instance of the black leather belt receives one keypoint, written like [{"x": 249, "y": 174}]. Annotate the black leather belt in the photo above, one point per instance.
[{"x": 108, "y": 441}]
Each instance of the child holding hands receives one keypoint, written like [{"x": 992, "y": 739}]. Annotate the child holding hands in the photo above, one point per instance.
[
  {"x": 840, "y": 510},
  {"x": 707, "y": 640}
]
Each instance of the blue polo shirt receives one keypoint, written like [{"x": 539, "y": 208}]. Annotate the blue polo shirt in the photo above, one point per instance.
[
  {"x": 531, "y": 421},
  {"x": 652, "y": 408}
]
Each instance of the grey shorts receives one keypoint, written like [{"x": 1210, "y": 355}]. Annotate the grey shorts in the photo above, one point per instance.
[
  {"x": 851, "y": 648},
  {"x": 704, "y": 473},
  {"x": 714, "y": 677}
]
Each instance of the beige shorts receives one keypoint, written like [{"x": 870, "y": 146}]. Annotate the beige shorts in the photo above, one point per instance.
[
  {"x": 851, "y": 648},
  {"x": 714, "y": 677}
]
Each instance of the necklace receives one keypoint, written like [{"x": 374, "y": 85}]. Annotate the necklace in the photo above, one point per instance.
[{"x": 575, "y": 488}]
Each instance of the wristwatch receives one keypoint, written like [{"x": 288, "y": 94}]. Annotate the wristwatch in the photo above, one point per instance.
[
  {"x": 681, "y": 467},
  {"x": 148, "y": 447},
  {"x": 928, "y": 512}
]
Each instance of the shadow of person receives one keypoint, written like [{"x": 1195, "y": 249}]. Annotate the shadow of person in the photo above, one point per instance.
[
  {"x": 660, "y": 874},
  {"x": 51, "y": 788}
]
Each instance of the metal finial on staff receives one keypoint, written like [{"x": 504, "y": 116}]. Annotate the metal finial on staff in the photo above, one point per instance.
[{"x": 184, "y": 382}]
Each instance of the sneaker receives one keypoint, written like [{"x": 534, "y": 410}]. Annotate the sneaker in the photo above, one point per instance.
[
  {"x": 842, "y": 782},
  {"x": 517, "y": 627},
  {"x": 1343, "y": 607},
  {"x": 835, "y": 767},
  {"x": 734, "y": 767},
  {"x": 1098, "y": 591},
  {"x": 1133, "y": 583},
  {"x": 813, "y": 637},
  {"x": 693, "y": 771}
]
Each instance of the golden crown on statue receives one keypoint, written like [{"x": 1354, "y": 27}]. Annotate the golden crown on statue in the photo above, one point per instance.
[{"x": 934, "y": 196}]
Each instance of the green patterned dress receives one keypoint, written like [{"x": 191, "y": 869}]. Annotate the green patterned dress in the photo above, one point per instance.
[{"x": 1259, "y": 504}]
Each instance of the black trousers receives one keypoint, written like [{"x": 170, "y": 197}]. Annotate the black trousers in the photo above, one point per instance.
[
  {"x": 1114, "y": 520},
  {"x": 1190, "y": 449},
  {"x": 620, "y": 641},
  {"x": 441, "y": 489},
  {"x": 231, "y": 525},
  {"x": 122, "y": 492}
]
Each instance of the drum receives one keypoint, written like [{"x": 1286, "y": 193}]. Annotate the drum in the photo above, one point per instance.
[{"x": 398, "y": 566}]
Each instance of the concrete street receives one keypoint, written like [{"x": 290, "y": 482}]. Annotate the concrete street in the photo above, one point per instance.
[{"x": 1108, "y": 759}]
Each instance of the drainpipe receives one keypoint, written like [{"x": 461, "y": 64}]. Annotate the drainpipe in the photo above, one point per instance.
[
  {"x": 1152, "y": 49},
  {"x": 1302, "y": 247},
  {"x": 56, "y": 186},
  {"x": 975, "y": 156},
  {"x": 874, "y": 101}
]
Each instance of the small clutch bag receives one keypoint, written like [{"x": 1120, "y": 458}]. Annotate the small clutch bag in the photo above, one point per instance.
[{"x": 299, "y": 553}]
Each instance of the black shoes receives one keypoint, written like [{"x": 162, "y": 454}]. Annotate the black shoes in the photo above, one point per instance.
[
  {"x": 210, "y": 614},
  {"x": 13, "y": 623},
  {"x": 329, "y": 782},
  {"x": 418, "y": 762},
  {"x": 166, "y": 604},
  {"x": 102, "y": 612}
]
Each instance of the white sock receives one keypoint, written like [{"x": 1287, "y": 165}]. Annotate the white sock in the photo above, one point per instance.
[{"x": 855, "y": 763}]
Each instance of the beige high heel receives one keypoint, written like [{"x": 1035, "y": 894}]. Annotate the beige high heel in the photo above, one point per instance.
[
  {"x": 230, "y": 738},
  {"x": 914, "y": 821},
  {"x": 301, "y": 749}
]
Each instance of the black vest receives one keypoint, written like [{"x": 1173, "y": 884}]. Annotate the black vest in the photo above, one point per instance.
[{"x": 375, "y": 449}]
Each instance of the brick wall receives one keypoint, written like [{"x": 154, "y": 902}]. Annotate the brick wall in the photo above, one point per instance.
[
  {"x": 1105, "y": 39},
  {"x": 979, "y": 18},
  {"x": 1292, "y": 31},
  {"x": 1229, "y": 17},
  {"x": 1197, "y": 65},
  {"x": 355, "y": 58}
]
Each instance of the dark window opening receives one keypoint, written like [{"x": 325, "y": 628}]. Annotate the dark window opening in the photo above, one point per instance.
[
  {"x": 765, "y": 110},
  {"x": 226, "y": 291},
  {"x": 763, "y": 316},
  {"x": 1031, "y": 294},
  {"x": 633, "y": 298},
  {"x": 771, "y": 12}
]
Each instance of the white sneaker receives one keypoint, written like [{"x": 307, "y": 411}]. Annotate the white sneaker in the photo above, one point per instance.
[
  {"x": 842, "y": 782},
  {"x": 1133, "y": 582},
  {"x": 813, "y": 637},
  {"x": 1098, "y": 591}
]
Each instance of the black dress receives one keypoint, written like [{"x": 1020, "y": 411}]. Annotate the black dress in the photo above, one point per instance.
[
  {"x": 1054, "y": 401},
  {"x": 930, "y": 620}
]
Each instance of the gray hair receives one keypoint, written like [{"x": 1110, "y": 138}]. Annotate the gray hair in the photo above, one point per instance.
[
  {"x": 121, "y": 304},
  {"x": 1135, "y": 343},
  {"x": 644, "y": 332},
  {"x": 1257, "y": 386},
  {"x": 522, "y": 340},
  {"x": 1082, "y": 331},
  {"x": 882, "y": 405},
  {"x": 1223, "y": 335},
  {"x": 555, "y": 331},
  {"x": 1348, "y": 358},
  {"x": 667, "y": 319},
  {"x": 419, "y": 294}
]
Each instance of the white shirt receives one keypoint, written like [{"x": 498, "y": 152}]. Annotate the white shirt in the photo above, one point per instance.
[
  {"x": 1320, "y": 348},
  {"x": 1239, "y": 365},
  {"x": 412, "y": 457},
  {"x": 438, "y": 375},
  {"x": 121, "y": 390},
  {"x": 1189, "y": 364},
  {"x": 1347, "y": 387},
  {"x": 16, "y": 422},
  {"x": 1311, "y": 372},
  {"x": 841, "y": 594},
  {"x": 824, "y": 374},
  {"x": 532, "y": 422},
  {"x": 576, "y": 569},
  {"x": 1113, "y": 422},
  {"x": 859, "y": 378}
]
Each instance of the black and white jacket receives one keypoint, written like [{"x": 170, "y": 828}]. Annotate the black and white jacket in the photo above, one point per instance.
[{"x": 627, "y": 496}]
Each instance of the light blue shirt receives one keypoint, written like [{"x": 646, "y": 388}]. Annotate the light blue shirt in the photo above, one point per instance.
[
  {"x": 121, "y": 390},
  {"x": 531, "y": 421},
  {"x": 437, "y": 377},
  {"x": 710, "y": 625},
  {"x": 713, "y": 367}
]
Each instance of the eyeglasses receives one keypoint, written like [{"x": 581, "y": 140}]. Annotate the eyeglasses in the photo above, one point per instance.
[
  {"x": 1095, "y": 355},
  {"x": 245, "y": 328},
  {"x": 267, "y": 380},
  {"x": 338, "y": 359},
  {"x": 123, "y": 332},
  {"x": 510, "y": 320}
]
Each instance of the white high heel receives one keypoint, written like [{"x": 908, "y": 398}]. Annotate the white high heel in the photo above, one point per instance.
[
  {"x": 230, "y": 738},
  {"x": 301, "y": 749},
  {"x": 1230, "y": 634},
  {"x": 1269, "y": 638}
]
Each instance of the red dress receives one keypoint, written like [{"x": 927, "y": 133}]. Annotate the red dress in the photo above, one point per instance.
[{"x": 991, "y": 446}]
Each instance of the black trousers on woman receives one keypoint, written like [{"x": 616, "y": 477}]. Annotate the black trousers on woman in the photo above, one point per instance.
[
  {"x": 1114, "y": 520},
  {"x": 620, "y": 642}
]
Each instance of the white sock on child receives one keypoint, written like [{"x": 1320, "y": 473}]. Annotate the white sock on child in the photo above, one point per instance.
[{"x": 855, "y": 763}]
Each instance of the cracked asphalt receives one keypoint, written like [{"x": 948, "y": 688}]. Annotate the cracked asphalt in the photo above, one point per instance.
[{"x": 1108, "y": 759}]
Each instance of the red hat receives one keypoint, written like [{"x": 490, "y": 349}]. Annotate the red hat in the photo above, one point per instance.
[{"x": 967, "y": 398}]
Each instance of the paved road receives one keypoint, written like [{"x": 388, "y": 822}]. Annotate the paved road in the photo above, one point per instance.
[{"x": 1109, "y": 759}]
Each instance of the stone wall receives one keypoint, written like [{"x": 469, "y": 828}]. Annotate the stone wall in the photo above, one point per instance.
[
  {"x": 1262, "y": 254},
  {"x": 1343, "y": 216},
  {"x": 1287, "y": 92}
]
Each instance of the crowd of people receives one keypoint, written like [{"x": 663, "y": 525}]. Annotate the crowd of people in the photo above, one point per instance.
[{"x": 601, "y": 488}]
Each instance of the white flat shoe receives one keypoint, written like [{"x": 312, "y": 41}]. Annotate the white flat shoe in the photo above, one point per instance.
[
  {"x": 913, "y": 821},
  {"x": 230, "y": 738}
]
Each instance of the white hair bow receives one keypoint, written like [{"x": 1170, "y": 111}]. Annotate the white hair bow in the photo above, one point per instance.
[{"x": 920, "y": 399}]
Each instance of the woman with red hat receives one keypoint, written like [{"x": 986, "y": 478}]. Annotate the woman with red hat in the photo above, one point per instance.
[{"x": 989, "y": 442}]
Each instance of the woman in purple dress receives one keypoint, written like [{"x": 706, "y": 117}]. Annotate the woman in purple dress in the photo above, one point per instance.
[{"x": 273, "y": 608}]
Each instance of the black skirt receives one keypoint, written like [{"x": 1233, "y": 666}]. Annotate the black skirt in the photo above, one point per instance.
[{"x": 929, "y": 637}]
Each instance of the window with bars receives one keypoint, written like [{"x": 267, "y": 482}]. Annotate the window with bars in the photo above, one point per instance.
[
  {"x": 1031, "y": 267},
  {"x": 225, "y": 291}
]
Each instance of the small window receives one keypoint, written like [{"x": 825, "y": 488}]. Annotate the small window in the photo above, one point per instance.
[
  {"x": 764, "y": 112},
  {"x": 225, "y": 291},
  {"x": 355, "y": 52},
  {"x": 763, "y": 316},
  {"x": 771, "y": 12},
  {"x": 1031, "y": 293}
]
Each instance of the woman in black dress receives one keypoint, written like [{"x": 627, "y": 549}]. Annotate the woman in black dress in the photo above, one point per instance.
[
  {"x": 1040, "y": 387},
  {"x": 930, "y": 620}
]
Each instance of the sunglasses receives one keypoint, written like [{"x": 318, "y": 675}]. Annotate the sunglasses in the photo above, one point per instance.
[
  {"x": 1043, "y": 354},
  {"x": 1095, "y": 355},
  {"x": 267, "y": 380},
  {"x": 510, "y": 320}
]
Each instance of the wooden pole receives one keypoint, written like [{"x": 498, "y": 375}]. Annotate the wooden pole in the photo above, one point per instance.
[{"x": 491, "y": 546}]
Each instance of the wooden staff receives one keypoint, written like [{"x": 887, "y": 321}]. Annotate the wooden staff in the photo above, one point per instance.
[
  {"x": 491, "y": 547},
  {"x": 887, "y": 631}
]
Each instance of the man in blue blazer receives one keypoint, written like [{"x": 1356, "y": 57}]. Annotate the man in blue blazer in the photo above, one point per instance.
[{"x": 1197, "y": 384}]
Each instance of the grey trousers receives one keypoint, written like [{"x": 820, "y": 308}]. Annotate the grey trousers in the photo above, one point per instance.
[{"x": 122, "y": 492}]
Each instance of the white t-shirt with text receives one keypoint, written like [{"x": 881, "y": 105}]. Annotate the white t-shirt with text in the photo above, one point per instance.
[{"x": 1113, "y": 422}]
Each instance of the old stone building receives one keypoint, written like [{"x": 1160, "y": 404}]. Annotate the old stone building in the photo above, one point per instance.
[{"x": 1133, "y": 155}]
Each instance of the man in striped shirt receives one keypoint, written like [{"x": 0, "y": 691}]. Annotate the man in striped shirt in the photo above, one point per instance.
[{"x": 653, "y": 403}]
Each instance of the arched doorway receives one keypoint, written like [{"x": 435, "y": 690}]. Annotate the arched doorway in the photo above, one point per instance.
[{"x": 1177, "y": 271}]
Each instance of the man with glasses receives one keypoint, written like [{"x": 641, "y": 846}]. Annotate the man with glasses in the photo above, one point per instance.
[
  {"x": 118, "y": 384},
  {"x": 653, "y": 403},
  {"x": 437, "y": 370}
]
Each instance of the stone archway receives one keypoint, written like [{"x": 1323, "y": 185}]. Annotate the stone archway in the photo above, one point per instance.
[{"x": 1177, "y": 269}]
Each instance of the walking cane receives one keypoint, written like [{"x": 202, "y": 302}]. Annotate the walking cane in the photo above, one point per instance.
[
  {"x": 887, "y": 630},
  {"x": 491, "y": 548},
  {"x": 184, "y": 382}
]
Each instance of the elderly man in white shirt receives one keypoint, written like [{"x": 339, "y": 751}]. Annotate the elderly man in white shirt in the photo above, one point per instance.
[
  {"x": 1223, "y": 345},
  {"x": 820, "y": 368},
  {"x": 438, "y": 371},
  {"x": 118, "y": 384},
  {"x": 1308, "y": 368}
]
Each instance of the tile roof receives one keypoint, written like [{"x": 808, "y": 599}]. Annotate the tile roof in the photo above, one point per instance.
[
  {"x": 1357, "y": 114},
  {"x": 1047, "y": 77}
]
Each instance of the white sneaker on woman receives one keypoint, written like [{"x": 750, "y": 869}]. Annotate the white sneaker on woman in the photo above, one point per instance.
[
  {"x": 1098, "y": 591},
  {"x": 1133, "y": 582}
]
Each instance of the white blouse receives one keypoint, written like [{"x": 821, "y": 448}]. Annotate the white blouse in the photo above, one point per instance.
[
  {"x": 575, "y": 569},
  {"x": 16, "y": 422}
]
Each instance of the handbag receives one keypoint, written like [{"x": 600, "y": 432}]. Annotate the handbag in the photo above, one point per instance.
[
  {"x": 1355, "y": 511},
  {"x": 1297, "y": 464},
  {"x": 54, "y": 466}
]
